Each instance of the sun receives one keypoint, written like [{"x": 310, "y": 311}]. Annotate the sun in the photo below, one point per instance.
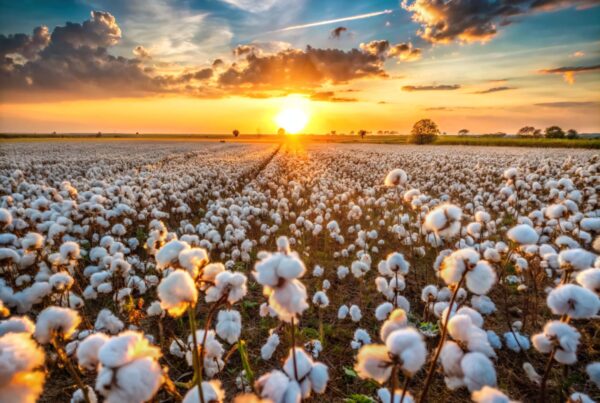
[{"x": 293, "y": 120}]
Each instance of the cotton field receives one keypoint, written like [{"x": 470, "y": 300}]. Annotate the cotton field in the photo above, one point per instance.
[{"x": 288, "y": 272}]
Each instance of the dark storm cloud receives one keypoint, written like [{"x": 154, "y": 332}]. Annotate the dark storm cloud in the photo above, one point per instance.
[
  {"x": 443, "y": 87},
  {"x": 24, "y": 45},
  {"x": 444, "y": 21},
  {"x": 336, "y": 33},
  {"x": 494, "y": 89},
  {"x": 294, "y": 68}
]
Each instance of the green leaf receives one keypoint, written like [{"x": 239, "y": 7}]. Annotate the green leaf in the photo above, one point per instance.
[
  {"x": 358, "y": 398},
  {"x": 350, "y": 372}
]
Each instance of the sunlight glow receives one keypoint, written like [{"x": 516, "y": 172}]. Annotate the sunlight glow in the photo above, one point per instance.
[{"x": 293, "y": 120}]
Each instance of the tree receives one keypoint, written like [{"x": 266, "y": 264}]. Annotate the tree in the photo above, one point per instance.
[
  {"x": 99, "y": 134},
  {"x": 526, "y": 131},
  {"x": 463, "y": 132},
  {"x": 537, "y": 133},
  {"x": 424, "y": 131},
  {"x": 572, "y": 134},
  {"x": 236, "y": 133},
  {"x": 281, "y": 131},
  {"x": 555, "y": 132},
  {"x": 362, "y": 133}
]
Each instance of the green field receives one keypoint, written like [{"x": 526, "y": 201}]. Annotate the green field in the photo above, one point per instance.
[{"x": 373, "y": 139}]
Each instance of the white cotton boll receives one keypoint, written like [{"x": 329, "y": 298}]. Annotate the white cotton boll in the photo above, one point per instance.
[
  {"x": 87, "y": 351},
  {"x": 267, "y": 350},
  {"x": 402, "y": 302},
  {"x": 488, "y": 394},
  {"x": 288, "y": 300},
  {"x": 56, "y": 321},
  {"x": 429, "y": 293},
  {"x": 273, "y": 385},
  {"x": 105, "y": 288},
  {"x": 232, "y": 284},
  {"x": 155, "y": 309},
  {"x": 303, "y": 363},
  {"x": 576, "y": 259},
  {"x": 483, "y": 304},
  {"x": 382, "y": 285},
  {"x": 16, "y": 324},
  {"x": 342, "y": 272},
  {"x": 20, "y": 357},
  {"x": 454, "y": 265},
  {"x": 573, "y": 300},
  {"x": 494, "y": 340},
  {"x": 407, "y": 344},
  {"x": 579, "y": 397},
  {"x": 478, "y": 371},
  {"x": 125, "y": 348},
  {"x": 69, "y": 251},
  {"x": 564, "y": 336},
  {"x": 326, "y": 285},
  {"x": 383, "y": 310},
  {"x": 211, "y": 391},
  {"x": 359, "y": 268},
  {"x": 531, "y": 373},
  {"x": 492, "y": 255},
  {"x": 61, "y": 281},
  {"x": 319, "y": 376},
  {"x": 385, "y": 397},
  {"x": 516, "y": 341},
  {"x": 355, "y": 313},
  {"x": 396, "y": 177},
  {"x": 343, "y": 312},
  {"x": 475, "y": 316},
  {"x": 177, "y": 292},
  {"x": 229, "y": 325},
  {"x": 169, "y": 253},
  {"x": 593, "y": 371},
  {"x": 79, "y": 397},
  {"x": 590, "y": 279},
  {"x": 320, "y": 299},
  {"x": 481, "y": 278},
  {"x": 523, "y": 234},
  {"x": 396, "y": 320},
  {"x": 106, "y": 320},
  {"x": 136, "y": 382},
  {"x": 372, "y": 362},
  {"x": 177, "y": 347},
  {"x": 361, "y": 337},
  {"x": 318, "y": 271},
  {"x": 397, "y": 264},
  {"x": 192, "y": 260}
]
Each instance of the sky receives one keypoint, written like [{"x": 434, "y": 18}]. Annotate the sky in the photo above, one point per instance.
[{"x": 211, "y": 66}]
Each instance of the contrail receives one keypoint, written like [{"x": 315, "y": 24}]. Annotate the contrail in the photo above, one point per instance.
[{"x": 327, "y": 22}]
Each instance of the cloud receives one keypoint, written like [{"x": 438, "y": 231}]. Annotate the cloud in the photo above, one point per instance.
[
  {"x": 253, "y": 6},
  {"x": 579, "y": 53},
  {"x": 24, "y": 45},
  {"x": 443, "y": 87},
  {"x": 494, "y": 89},
  {"x": 329, "y": 96},
  {"x": 141, "y": 52},
  {"x": 405, "y": 52},
  {"x": 444, "y": 21},
  {"x": 336, "y": 33},
  {"x": 297, "y": 69},
  {"x": 376, "y": 48},
  {"x": 569, "y": 72},
  {"x": 568, "y": 104}
]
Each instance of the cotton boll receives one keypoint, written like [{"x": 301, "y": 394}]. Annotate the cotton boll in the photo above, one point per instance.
[
  {"x": 396, "y": 177},
  {"x": 523, "y": 234},
  {"x": 494, "y": 340},
  {"x": 319, "y": 376},
  {"x": 155, "y": 309},
  {"x": 20, "y": 356},
  {"x": 355, "y": 313},
  {"x": 576, "y": 259},
  {"x": 396, "y": 320},
  {"x": 288, "y": 300},
  {"x": 483, "y": 304},
  {"x": 231, "y": 284},
  {"x": 318, "y": 271},
  {"x": 516, "y": 341},
  {"x": 212, "y": 392},
  {"x": 478, "y": 371},
  {"x": 106, "y": 320},
  {"x": 385, "y": 397},
  {"x": 193, "y": 260},
  {"x": 372, "y": 362},
  {"x": 273, "y": 385},
  {"x": 429, "y": 293},
  {"x": 579, "y": 397},
  {"x": 383, "y": 310},
  {"x": 455, "y": 264},
  {"x": 361, "y": 337},
  {"x": 590, "y": 279},
  {"x": 320, "y": 299},
  {"x": 303, "y": 364},
  {"x": 407, "y": 344},
  {"x": 87, "y": 351},
  {"x": 573, "y": 300},
  {"x": 17, "y": 324},
  {"x": 342, "y": 272},
  {"x": 342, "y": 312},
  {"x": 489, "y": 395},
  {"x": 531, "y": 373},
  {"x": 56, "y": 321},
  {"x": 563, "y": 336},
  {"x": 177, "y": 292},
  {"x": 135, "y": 382},
  {"x": 397, "y": 264},
  {"x": 177, "y": 347},
  {"x": 481, "y": 278},
  {"x": 229, "y": 325},
  {"x": 269, "y": 347},
  {"x": 125, "y": 348},
  {"x": 593, "y": 371},
  {"x": 169, "y": 253},
  {"x": 79, "y": 397}
]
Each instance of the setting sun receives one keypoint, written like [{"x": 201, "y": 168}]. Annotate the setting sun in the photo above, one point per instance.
[{"x": 293, "y": 120}]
